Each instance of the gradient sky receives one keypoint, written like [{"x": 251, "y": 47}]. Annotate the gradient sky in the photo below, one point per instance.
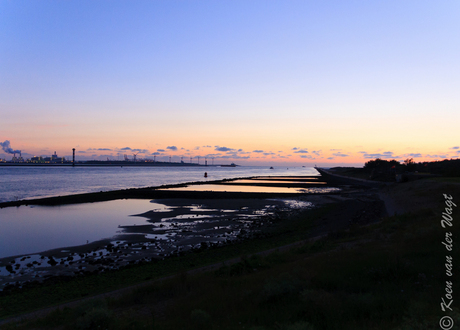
[{"x": 250, "y": 82}]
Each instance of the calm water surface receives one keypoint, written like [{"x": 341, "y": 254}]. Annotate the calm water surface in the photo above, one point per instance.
[
  {"x": 17, "y": 183},
  {"x": 32, "y": 229}
]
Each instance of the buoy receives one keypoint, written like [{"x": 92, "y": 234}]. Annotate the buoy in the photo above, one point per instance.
[{"x": 205, "y": 174}]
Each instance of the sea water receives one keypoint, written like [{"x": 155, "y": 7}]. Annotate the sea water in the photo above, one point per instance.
[
  {"x": 29, "y": 182},
  {"x": 31, "y": 229}
]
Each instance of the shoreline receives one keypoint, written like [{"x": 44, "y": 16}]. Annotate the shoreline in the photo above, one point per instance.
[
  {"x": 230, "y": 217},
  {"x": 117, "y": 253},
  {"x": 127, "y": 249}
]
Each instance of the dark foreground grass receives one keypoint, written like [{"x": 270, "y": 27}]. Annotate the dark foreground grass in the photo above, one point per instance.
[{"x": 389, "y": 275}]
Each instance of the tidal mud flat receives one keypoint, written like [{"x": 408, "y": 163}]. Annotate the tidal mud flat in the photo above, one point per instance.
[{"x": 188, "y": 221}]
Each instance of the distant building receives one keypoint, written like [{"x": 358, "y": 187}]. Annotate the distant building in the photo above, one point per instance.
[
  {"x": 37, "y": 159},
  {"x": 17, "y": 159},
  {"x": 54, "y": 159}
]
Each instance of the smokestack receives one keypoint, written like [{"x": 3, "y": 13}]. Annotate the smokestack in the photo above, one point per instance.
[
  {"x": 7, "y": 148},
  {"x": 73, "y": 156}
]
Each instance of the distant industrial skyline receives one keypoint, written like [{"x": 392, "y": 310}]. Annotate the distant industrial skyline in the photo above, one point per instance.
[
  {"x": 221, "y": 154},
  {"x": 255, "y": 83}
]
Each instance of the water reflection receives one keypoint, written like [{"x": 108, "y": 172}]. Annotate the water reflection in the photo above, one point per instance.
[
  {"x": 280, "y": 181},
  {"x": 31, "y": 229},
  {"x": 252, "y": 189},
  {"x": 164, "y": 228}
]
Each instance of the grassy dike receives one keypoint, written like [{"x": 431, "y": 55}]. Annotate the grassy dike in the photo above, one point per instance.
[{"x": 386, "y": 275}]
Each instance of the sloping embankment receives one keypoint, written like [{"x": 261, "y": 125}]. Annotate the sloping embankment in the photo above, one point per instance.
[{"x": 332, "y": 178}]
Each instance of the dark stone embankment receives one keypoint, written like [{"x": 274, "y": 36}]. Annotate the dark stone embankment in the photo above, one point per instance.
[{"x": 333, "y": 178}]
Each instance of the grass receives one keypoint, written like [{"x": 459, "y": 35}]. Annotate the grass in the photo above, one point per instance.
[
  {"x": 448, "y": 180},
  {"x": 388, "y": 275}
]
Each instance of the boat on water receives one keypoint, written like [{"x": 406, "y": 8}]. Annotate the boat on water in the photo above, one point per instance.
[{"x": 231, "y": 165}]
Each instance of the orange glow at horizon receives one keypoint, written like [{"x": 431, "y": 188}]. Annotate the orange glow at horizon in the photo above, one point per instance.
[{"x": 293, "y": 84}]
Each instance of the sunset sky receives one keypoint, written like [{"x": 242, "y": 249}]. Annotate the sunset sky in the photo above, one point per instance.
[{"x": 251, "y": 82}]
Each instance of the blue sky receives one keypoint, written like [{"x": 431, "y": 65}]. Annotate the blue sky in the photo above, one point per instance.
[{"x": 354, "y": 76}]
